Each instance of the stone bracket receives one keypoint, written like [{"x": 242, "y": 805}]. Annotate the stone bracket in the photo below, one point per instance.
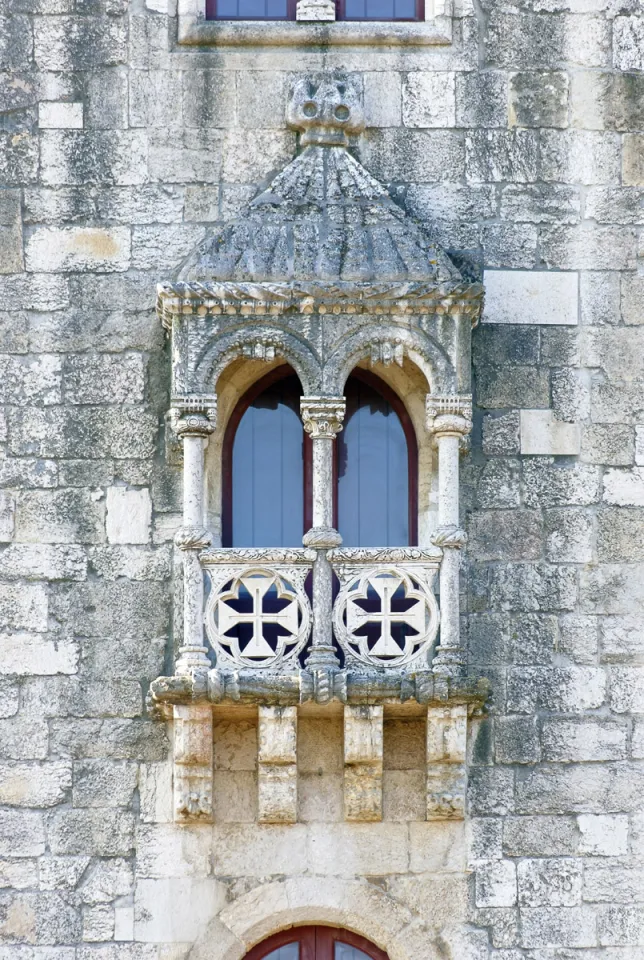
[
  {"x": 446, "y": 755},
  {"x": 193, "y": 762},
  {"x": 277, "y": 765},
  {"x": 363, "y": 753}
]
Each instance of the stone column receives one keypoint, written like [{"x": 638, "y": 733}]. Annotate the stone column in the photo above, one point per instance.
[
  {"x": 193, "y": 418},
  {"x": 322, "y": 418},
  {"x": 449, "y": 418},
  {"x": 363, "y": 746},
  {"x": 277, "y": 765}
]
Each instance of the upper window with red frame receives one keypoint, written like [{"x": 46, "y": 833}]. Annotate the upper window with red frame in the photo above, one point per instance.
[
  {"x": 267, "y": 467},
  {"x": 411, "y": 10}
]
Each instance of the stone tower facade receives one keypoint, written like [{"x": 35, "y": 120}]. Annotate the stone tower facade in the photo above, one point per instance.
[{"x": 456, "y": 204}]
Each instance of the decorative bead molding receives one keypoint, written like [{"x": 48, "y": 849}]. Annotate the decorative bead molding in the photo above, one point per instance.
[{"x": 322, "y": 416}]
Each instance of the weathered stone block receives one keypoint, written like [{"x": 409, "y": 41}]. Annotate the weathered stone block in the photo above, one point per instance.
[
  {"x": 501, "y": 434},
  {"x": 555, "y": 882},
  {"x": 516, "y": 740},
  {"x": 24, "y": 738},
  {"x": 533, "y": 587},
  {"x": 548, "y": 484},
  {"x": 60, "y": 516},
  {"x": 104, "y": 783},
  {"x": 495, "y": 155},
  {"x": 569, "y": 535},
  {"x": 496, "y": 884},
  {"x": 621, "y": 926},
  {"x": 11, "y": 258},
  {"x": 79, "y": 43},
  {"x": 104, "y": 378},
  {"x": 541, "y": 434},
  {"x": 576, "y": 156},
  {"x": 499, "y": 484},
  {"x": 557, "y": 689},
  {"x": 505, "y": 535},
  {"x": 539, "y": 99},
  {"x": 501, "y": 387},
  {"x": 35, "y": 785},
  {"x": 60, "y": 115},
  {"x": 607, "y": 444},
  {"x": 540, "y": 836},
  {"x": 532, "y": 296},
  {"x": 624, "y": 487},
  {"x": 101, "y": 832},
  {"x": 104, "y": 157},
  {"x": 25, "y": 654},
  {"x": 129, "y": 514},
  {"x": 622, "y": 639},
  {"x": 120, "y": 609},
  {"x": 599, "y": 292},
  {"x": 533, "y": 639},
  {"x": 482, "y": 99},
  {"x": 126, "y": 739},
  {"x": 603, "y": 835},
  {"x": 619, "y": 534},
  {"x": 50, "y": 249},
  {"x": 575, "y": 741},
  {"x": 93, "y": 432},
  {"x": 628, "y": 42},
  {"x": 429, "y": 99},
  {"x": 175, "y": 909}
]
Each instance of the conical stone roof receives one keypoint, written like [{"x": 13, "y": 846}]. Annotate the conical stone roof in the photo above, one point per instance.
[{"x": 323, "y": 218}]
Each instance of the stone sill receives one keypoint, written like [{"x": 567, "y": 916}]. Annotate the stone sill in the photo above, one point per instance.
[{"x": 197, "y": 31}]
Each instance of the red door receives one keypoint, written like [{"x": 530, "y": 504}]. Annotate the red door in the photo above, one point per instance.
[{"x": 316, "y": 943}]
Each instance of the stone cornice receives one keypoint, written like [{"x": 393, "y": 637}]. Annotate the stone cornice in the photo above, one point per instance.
[{"x": 262, "y": 299}]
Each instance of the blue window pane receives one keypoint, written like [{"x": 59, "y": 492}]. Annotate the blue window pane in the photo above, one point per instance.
[
  {"x": 251, "y": 8},
  {"x": 290, "y": 951},
  {"x": 373, "y": 481},
  {"x": 268, "y": 480},
  {"x": 355, "y": 9},
  {"x": 380, "y": 9},
  {"x": 344, "y": 952},
  {"x": 276, "y": 9}
]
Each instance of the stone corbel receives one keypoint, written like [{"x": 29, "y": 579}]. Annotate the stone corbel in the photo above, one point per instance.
[
  {"x": 446, "y": 771},
  {"x": 363, "y": 752},
  {"x": 277, "y": 765},
  {"x": 193, "y": 762}
]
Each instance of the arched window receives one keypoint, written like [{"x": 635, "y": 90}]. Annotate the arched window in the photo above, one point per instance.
[
  {"x": 316, "y": 943},
  {"x": 267, "y": 467}
]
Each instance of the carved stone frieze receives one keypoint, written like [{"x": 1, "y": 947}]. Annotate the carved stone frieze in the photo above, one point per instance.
[{"x": 315, "y": 11}]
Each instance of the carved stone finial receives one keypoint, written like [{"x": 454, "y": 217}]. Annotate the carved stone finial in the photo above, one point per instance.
[
  {"x": 325, "y": 111},
  {"x": 322, "y": 416}
]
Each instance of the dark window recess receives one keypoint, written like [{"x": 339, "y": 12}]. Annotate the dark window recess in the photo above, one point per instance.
[
  {"x": 316, "y": 943},
  {"x": 267, "y": 467},
  {"x": 285, "y": 9}
]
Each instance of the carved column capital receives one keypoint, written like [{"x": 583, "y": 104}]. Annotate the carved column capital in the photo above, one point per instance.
[
  {"x": 449, "y": 414},
  {"x": 193, "y": 415},
  {"x": 322, "y": 416}
]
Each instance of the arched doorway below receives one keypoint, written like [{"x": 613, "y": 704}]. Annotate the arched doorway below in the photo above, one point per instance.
[{"x": 316, "y": 943}]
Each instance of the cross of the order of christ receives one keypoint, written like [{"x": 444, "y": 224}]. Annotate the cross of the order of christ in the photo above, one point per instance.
[{"x": 258, "y": 586}]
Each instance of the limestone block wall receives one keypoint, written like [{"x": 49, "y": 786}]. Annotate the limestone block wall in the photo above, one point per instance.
[{"x": 522, "y": 139}]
